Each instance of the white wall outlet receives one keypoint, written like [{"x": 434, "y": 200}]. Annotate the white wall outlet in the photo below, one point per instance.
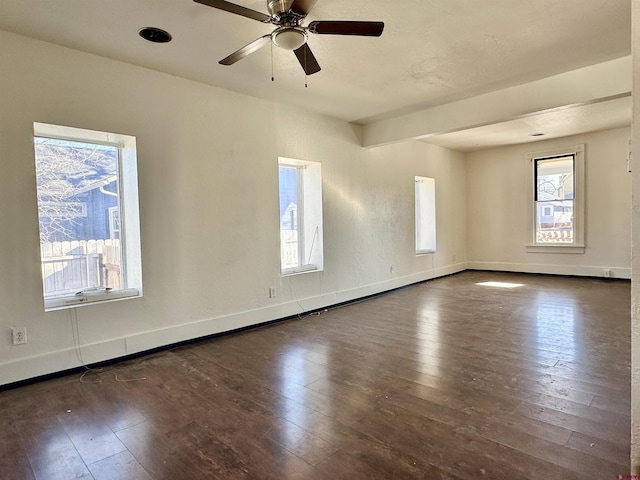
[
  {"x": 272, "y": 292},
  {"x": 19, "y": 335},
  {"x": 607, "y": 273}
]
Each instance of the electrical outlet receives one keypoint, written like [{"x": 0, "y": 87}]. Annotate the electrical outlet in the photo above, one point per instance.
[
  {"x": 272, "y": 292},
  {"x": 19, "y": 335}
]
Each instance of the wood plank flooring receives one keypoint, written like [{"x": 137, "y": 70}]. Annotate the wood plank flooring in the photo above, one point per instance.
[{"x": 445, "y": 379}]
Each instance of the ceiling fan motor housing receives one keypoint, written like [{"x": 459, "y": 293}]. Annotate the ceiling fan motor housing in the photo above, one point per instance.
[{"x": 279, "y": 6}]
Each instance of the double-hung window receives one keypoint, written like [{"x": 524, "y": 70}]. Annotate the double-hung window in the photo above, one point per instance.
[
  {"x": 300, "y": 186},
  {"x": 558, "y": 201},
  {"x": 88, "y": 216},
  {"x": 425, "y": 215}
]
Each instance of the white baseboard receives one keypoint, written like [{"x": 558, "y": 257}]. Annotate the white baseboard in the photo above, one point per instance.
[
  {"x": 62, "y": 360},
  {"x": 553, "y": 269}
]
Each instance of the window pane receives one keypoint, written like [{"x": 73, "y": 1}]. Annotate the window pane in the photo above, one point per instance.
[
  {"x": 554, "y": 179},
  {"x": 301, "y": 240},
  {"x": 425, "y": 215},
  {"x": 554, "y": 200},
  {"x": 555, "y": 224},
  {"x": 78, "y": 209},
  {"x": 289, "y": 219}
]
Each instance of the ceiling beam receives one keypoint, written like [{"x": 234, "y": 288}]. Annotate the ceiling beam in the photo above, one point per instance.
[{"x": 595, "y": 83}]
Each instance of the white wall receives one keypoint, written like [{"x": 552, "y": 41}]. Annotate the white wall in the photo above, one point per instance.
[
  {"x": 498, "y": 208},
  {"x": 635, "y": 280},
  {"x": 207, "y": 163}
]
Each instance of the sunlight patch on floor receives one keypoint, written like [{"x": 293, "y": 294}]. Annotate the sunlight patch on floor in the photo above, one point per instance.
[{"x": 500, "y": 284}]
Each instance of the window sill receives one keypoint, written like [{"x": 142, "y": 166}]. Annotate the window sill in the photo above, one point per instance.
[
  {"x": 299, "y": 270},
  {"x": 88, "y": 298},
  {"x": 424, "y": 252},
  {"x": 557, "y": 248}
]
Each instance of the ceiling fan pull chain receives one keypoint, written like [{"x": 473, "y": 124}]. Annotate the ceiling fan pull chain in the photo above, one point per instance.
[
  {"x": 272, "y": 78},
  {"x": 305, "y": 69}
]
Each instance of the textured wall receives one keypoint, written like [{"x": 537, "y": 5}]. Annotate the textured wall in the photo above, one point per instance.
[
  {"x": 208, "y": 184},
  {"x": 635, "y": 265},
  {"x": 499, "y": 206}
]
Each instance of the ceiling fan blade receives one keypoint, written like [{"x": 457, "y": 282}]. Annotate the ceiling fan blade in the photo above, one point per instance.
[
  {"x": 345, "y": 27},
  {"x": 246, "y": 50},
  {"x": 303, "y": 7},
  {"x": 308, "y": 61},
  {"x": 237, "y": 9}
]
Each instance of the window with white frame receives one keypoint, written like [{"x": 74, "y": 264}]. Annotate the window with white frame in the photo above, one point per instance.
[
  {"x": 114, "y": 222},
  {"x": 87, "y": 192},
  {"x": 300, "y": 187},
  {"x": 425, "y": 218},
  {"x": 558, "y": 201}
]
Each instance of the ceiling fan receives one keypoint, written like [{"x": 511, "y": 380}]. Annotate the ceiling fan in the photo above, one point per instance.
[{"x": 290, "y": 34}]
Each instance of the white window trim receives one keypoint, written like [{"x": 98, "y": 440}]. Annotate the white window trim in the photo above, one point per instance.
[
  {"x": 316, "y": 232},
  {"x": 89, "y": 297},
  {"x": 578, "y": 245},
  {"x": 129, "y": 213},
  {"x": 299, "y": 270}
]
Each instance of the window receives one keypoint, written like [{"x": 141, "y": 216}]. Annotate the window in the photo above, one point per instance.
[
  {"x": 554, "y": 199},
  {"x": 88, "y": 215},
  {"x": 425, "y": 215},
  {"x": 114, "y": 222},
  {"x": 300, "y": 185},
  {"x": 558, "y": 194}
]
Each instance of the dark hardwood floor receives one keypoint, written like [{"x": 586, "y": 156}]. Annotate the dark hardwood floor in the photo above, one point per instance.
[{"x": 446, "y": 379}]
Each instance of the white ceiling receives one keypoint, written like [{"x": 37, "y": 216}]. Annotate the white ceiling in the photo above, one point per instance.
[{"x": 431, "y": 53}]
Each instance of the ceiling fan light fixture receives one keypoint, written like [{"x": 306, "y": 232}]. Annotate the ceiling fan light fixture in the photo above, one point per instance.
[{"x": 289, "y": 38}]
